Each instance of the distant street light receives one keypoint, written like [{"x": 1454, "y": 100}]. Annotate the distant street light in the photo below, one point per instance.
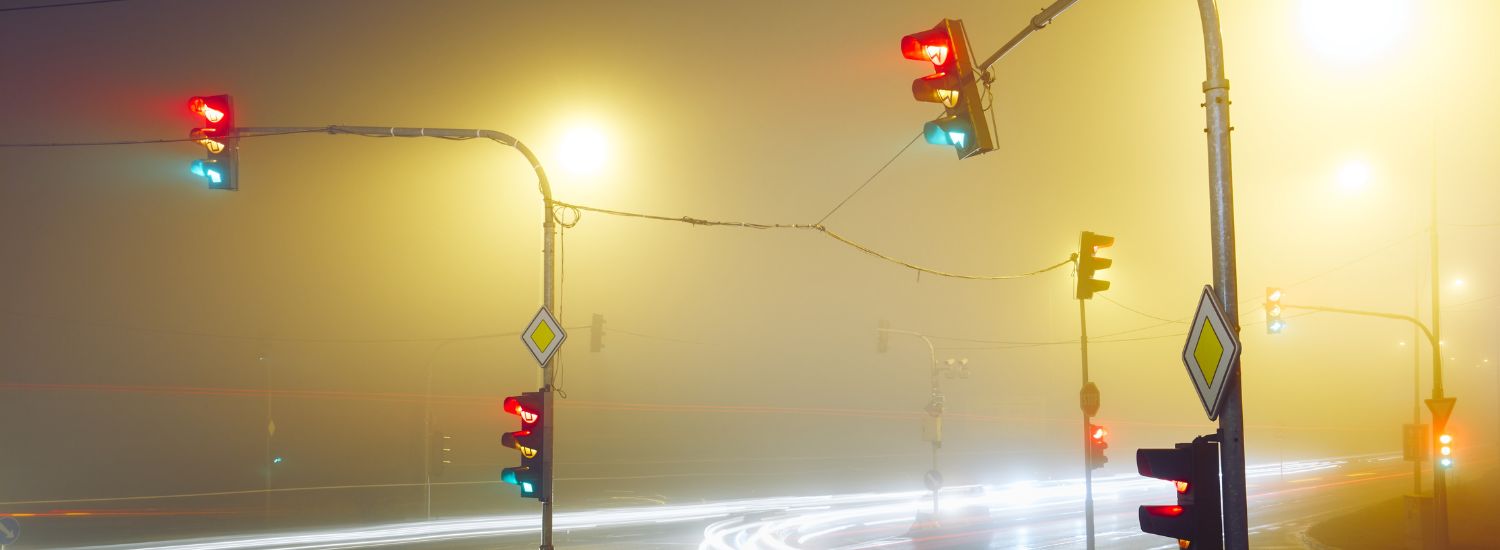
[
  {"x": 1353, "y": 31},
  {"x": 583, "y": 150},
  {"x": 1354, "y": 175}
]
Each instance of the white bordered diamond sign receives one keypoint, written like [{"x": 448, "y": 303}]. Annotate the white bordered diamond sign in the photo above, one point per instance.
[
  {"x": 543, "y": 336},
  {"x": 1211, "y": 353}
]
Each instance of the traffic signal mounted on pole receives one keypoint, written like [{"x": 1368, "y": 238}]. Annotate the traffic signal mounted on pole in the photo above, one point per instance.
[
  {"x": 596, "y": 334},
  {"x": 437, "y": 459},
  {"x": 1089, "y": 263},
  {"x": 1274, "y": 324},
  {"x": 1097, "y": 445},
  {"x": 218, "y": 136},
  {"x": 954, "y": 84},
  {"x": 1445, "y": 451},
  {"x": 1195, "y": 521},
  {"x": 531, "y": 475}
]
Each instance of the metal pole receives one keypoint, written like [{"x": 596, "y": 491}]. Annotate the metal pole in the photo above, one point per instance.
[
  {"x": 1439, "y": 474},
  {"x": 1416, "y": 388},
  {"x": 549, "y": 260},
  {"x": 1088, "y": 470},
  {"x": 1221, "y": 220},
  {"x": 1037, "y": 23}
]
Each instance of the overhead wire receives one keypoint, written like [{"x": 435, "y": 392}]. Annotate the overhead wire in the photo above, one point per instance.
[
  {"x": 871, "y": 178},
  {"x": 62, "y": 5},
  {"x": 821, "y": 229}
]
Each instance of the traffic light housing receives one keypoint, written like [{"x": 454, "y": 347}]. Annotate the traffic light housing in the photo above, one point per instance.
[
  {"x": 529, "y": 441},
  {"x": 596, "y": 334},
  {"x": 1195, "y": 521},
  {"x": 1445, "y": 451},
  {"x": 1097, "y": 445},
  {"x": 1274, "y": 324},
  {"x": 1089, "y": 263},
  {"x": 438, "y": 449},
  {"x": 954, "y": 84},
  {"x": 218, "y": 136}
]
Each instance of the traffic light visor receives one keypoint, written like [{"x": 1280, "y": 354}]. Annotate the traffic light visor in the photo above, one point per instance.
[
  {"x": 932, "y": 45},
  {"x": 202, "y": 107},
  {"x": 514, "y": 406}
]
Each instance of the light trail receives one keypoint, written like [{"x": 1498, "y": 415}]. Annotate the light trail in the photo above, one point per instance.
[{"x": 862, "y": 520}]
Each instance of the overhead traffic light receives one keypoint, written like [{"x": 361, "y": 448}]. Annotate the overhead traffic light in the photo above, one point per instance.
[
  {"x": 1274, "y": 324},
  {"x": 531, "y": 475},
  {"x": 1445, "y": 451},
  {"x": 437, "y": 457},
  {"x": 1097, "y": 445},
  {"x": 218, "y": 136},
  {"x": 596, "y": 334},
  {"x": 954, "y": 84},
  {"x": 1193, "y": 468},
  {"x": 1089, "y": 263}
]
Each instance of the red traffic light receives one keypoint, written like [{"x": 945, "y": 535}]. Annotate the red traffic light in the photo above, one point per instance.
[
  {"x": 514, "y": 406},
  {"x": 1167, "y": 511},
  {"x": 933, "y": 45},
  {"x": 211, "y": 111},
  {"x": 1098, "y": 434}
]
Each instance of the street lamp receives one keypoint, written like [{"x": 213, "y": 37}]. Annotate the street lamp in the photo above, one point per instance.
[
  {"x": 1353, "y": 31},
  {"x": 583, "y": 150}
]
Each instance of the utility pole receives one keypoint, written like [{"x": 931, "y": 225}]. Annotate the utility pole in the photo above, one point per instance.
[
  {"x": 1439, "y": 474},
  {"x": 1221, "y": 222},
  {"x": 1088, "y": 467}
]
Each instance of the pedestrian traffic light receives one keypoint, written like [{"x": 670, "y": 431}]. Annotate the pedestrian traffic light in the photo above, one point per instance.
[
  {"x": 438, "y": 449},
  {"x": 1193, "y": 468},
  {"x": 1089, "y": 263},
  {"x": 596, "y": 334},
  {"x": 531, "y": 475},
  {"x": 218, "y": 137},
  {"x": 1445, "y": 451},
  {"x": 1274, "y": 324},
  {"x": 954, "y": 84},
  {"x": 1097, "y": 445}
]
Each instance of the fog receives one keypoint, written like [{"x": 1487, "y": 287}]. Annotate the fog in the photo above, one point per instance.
[{"x": 352, "y": 289}]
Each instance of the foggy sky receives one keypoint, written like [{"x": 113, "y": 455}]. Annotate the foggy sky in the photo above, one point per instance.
[{"x": 347, "y": 263}]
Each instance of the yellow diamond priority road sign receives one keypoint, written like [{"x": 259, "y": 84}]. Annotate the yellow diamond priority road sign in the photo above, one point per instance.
[
  {"x": 1211, "y": 353},
  {"x": 543, "y": 336}
]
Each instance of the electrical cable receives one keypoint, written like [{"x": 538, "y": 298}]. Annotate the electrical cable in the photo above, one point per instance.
[
  {"x": 1139, "y": 312},
  {"x": 871, "y": 178},
  {"x": 816, "y": 227},
  {"x": 152, "y": 141},
  {"x": 65, "y": 5}
]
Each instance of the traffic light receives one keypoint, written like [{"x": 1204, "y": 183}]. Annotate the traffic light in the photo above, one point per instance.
[
  {"x": 1445, "y": 451},
  {"x": 1089, "y": 263},
  {"x": 1097, "y": 445},
  {"x": 530, "y": 476},
  {"x": 437, "y": 459},
  {"x": 954, "y": 84},
  {"x": 596, "y": 334},
  {"x": 1193, "y": 468},
  {"x": 1274, "y": 324},
  {"x": 217, "y": 135}
]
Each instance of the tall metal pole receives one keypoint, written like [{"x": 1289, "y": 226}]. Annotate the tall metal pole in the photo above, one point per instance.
[
  {"x": 549, "y": 262},
  {"x": 1088, "y": 470},
  {"x": 1439, "y": 474},
  {"x": 1221, "y": 220},
  {"x": 1416, "y": 388}
]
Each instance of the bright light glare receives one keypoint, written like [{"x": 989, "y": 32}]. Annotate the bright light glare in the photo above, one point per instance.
[
  {"x": 1354, "y": 176},
  {"x": 1353, "y": 31},
  {"x": 1445, "y": 439},
  {"x": 583, "y": 150},
  {"x": 1458, "y": 282}
]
